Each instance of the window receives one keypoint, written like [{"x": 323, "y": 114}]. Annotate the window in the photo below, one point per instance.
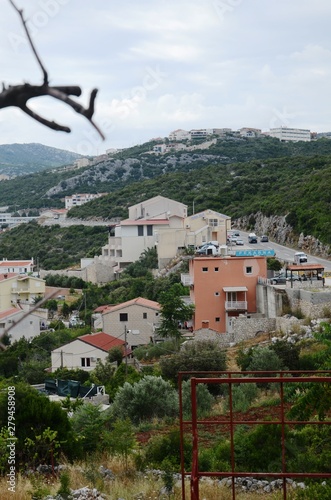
[
  {"x": 85, "y": 361},
  {"x": 218, "y": 319},
  {"x": 123, "y": 316},
  {"x": 140, "y": 230},
  {"x": 205, "y": 269},
  {"x": 216, "y": 269},
  {"x": 149, "y": 230},
  {"x": 144, "y": 315},
  {"x": 249, "y": 270},
  {"x": 213, "y": 222}
]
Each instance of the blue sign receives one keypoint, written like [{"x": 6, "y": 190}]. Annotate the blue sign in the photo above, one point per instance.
[{"x": 254, "y": 253}]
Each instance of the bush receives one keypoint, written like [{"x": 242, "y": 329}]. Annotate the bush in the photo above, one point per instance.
[
  {"x": 204, "y": 400},
  {"x": 149, "y": 398},
  {"x": 167, "y": 448},
  {"x": 242, "y": 396}
]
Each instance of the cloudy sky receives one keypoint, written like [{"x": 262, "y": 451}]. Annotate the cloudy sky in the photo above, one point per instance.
[{"x": 161, "y": 65}]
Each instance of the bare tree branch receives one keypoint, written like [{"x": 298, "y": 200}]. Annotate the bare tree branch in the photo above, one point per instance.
[{"x": 19, "y": 95}]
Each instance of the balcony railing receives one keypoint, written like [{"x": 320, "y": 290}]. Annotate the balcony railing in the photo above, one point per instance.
[{"x": 236, "y": 305}]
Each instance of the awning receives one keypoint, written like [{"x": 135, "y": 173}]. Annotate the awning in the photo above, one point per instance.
[{"x": 235, "y": 289}]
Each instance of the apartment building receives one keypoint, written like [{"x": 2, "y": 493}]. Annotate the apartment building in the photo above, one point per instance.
[
  {"x": 290, "y": 134},
  {"x": 19, "y": 289},
  {"x": 163, "y": 223},
  {"x": 222, "y": 288},
  {"x": 77, "y": 200}
]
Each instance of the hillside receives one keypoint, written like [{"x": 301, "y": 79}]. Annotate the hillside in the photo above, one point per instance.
[
  {"x": 298, "y": 187},
  {"x": 22, "y": 159},
  {"x": 137, "y": 164}
]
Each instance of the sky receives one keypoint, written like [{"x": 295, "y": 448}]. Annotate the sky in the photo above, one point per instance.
[{"x": 161, "y": 65}]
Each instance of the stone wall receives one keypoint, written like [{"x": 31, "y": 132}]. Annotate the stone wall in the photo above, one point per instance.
[{"x": 312, "y": 303}]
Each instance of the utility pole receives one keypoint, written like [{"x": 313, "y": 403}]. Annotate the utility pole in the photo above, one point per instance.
[{"x": 126, "y": 352}]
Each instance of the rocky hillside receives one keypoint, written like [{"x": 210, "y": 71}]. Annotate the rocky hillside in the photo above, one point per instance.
[{"x": 280, "y": 231}]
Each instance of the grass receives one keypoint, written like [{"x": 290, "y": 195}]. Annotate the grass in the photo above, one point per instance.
[{"x": 129, "y": 487}]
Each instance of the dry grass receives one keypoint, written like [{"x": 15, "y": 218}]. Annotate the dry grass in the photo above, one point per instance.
[{"x": 128, "y": 486}]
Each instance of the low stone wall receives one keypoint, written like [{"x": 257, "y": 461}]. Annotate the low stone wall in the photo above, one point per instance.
[{"x": 312, "y": 303}]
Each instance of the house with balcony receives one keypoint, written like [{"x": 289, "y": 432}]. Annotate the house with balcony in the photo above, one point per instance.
[
  {"x": 20, "y": 290},
  {"x": 134, "y": 321},
  {"x": 163, "y": 223},
  {"x": 206, "y": 226},
  {"x": 158, "y": 221},
  {"x": 84, "y": 352},
  {"x": 223, "y": 288}
]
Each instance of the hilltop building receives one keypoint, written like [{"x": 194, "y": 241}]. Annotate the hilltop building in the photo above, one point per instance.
[
  {"x": 290, "y": 134},
  {"x": 76, "y": 200}
]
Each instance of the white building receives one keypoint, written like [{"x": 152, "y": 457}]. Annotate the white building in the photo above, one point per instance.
[
  {"x": 179, "y": 135},
  {"x": 77, "y": 200},
  {"x": 18, "y": 324},
  {"x": 135, "y": 321},
  {"x": 163, "y": 223},
  {"x": 202, "y": 133},
  {"x": 85, "y": 351},
  {"x": 17, "y": 266},
  {"x": 290, "y": 134},
  {"x": 250, "y": 132}
]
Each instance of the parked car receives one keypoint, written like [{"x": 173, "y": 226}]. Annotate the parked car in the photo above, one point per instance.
[
  {"x": 208, "y": 249},
  {"x": 264, "y": 239},
  {"x": 239, "y": 241},
  {"x": 282, "y": 278}
]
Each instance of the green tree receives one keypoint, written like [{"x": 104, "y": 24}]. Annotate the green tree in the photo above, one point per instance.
[
  {"x": 88, "y": 424},
  {"x": 194, "y": 356},
  {"x": 174, "y": 311},
  {"x": 204, "y": 400},
  {"x": 34, "y": 413},
  {"x": 122, "y": 439}
]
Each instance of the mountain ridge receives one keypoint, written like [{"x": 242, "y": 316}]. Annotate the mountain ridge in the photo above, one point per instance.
[{"x": 27, "y": 158}]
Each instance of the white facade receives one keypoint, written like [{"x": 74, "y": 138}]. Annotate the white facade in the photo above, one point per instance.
[
  {"x": 134, "y": 321},
  {"x": 17, "y": 266},
  {"x": 17, "y": 324},
  {"x": 77, "y": 200},
  {"x": 163, "y": 223},
  {"x": 290, "y": 134},
  {"x": 179, "y": 135},
  {"x": 84, "y": 352}
]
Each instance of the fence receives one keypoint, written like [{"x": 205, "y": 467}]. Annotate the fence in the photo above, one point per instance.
[{"x": 230, "y": 421}]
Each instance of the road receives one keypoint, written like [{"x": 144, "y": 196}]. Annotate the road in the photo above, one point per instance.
[{"x": 282, "y": 253}]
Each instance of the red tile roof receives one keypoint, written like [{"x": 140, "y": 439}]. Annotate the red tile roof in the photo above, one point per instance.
[
  {"x": 16, "y": 263},
  {"x": 102, "y": 340},
  {"x": 140, "y": 301},
  {"x": 5, "y": 276},
  {"x": 9, "y": 312}
]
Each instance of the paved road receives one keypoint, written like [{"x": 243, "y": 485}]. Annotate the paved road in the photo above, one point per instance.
[{"x": 283, "y": 253}]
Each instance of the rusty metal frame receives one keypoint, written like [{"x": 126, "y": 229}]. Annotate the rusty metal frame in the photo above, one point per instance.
[{"x": 230, "y": 378}]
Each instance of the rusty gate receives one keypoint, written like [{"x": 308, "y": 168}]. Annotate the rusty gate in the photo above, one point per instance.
[{"x": 230, "y": 378}]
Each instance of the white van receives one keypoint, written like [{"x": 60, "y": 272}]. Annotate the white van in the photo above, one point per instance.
[{"x": 300, "y": 258}]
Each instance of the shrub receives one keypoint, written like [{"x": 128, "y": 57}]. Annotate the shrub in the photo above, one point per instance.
[
  {"x": 149, "y": 398},
  {"x": 204, "y": 400},
  {"x": 242, "y": 396}
]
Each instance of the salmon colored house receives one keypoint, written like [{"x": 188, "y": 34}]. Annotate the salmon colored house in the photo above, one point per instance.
[{"x": 222, "y": 288}]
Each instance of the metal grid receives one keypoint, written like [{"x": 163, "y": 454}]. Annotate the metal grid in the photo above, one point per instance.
[{"x": 231, "y": 378}]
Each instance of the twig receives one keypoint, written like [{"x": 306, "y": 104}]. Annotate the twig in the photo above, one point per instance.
[{"x": 19, "y": 95}]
